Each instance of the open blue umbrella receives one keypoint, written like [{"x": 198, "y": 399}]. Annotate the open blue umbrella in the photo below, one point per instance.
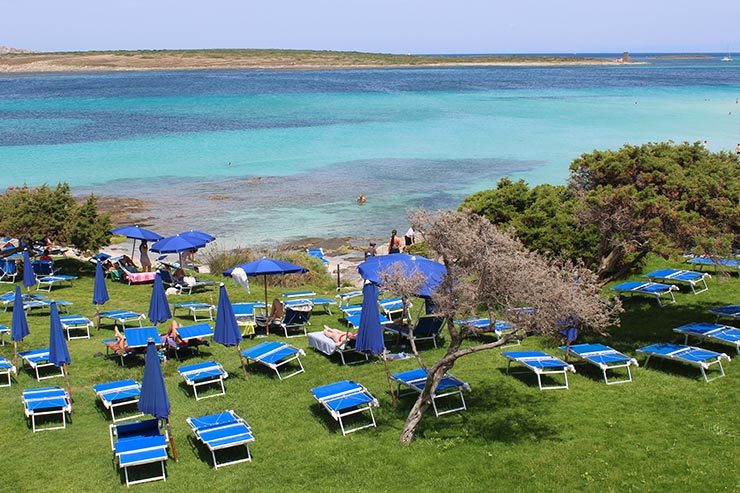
[
  {"x": 198, "y": 235},
  {"x": 154, "y": 399},
  {"x": 178, "y": 244},
  {"x": 159, "y": 309},
  {"x": 433, "y": 272},
  {"x": 100, "y": 290},
  {"x": 370, "y": 333},
  {"x": 227, "y": 331},
  {"x": 136, "y": 233},
  {"x": 58, "y": 351},
  {"x": 29, "y": 278},
  {"x": 19, "y": 324},
  {"x": 267, "y": 267}
]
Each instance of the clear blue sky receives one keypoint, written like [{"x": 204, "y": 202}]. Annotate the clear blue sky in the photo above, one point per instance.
[{"x": 399, "y": 26}]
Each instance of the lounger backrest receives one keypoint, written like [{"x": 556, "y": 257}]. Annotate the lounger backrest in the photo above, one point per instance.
[
  {"x": 148, "y": 427},
  {"x": 428, "y": 326},
  {"x": 296, "y": 317},
  {"x": 8, "y": 266},
  {"x": 166, "y": 277},
  {"x": 43, "y": 267}
]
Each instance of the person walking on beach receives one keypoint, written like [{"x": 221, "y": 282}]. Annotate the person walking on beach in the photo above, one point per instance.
[
  {"x": 394, "y": 245},
  {"x": 410, "y": 237},
  {"x": 370, "y": 251},
  {"x": 146, "y": 264}
]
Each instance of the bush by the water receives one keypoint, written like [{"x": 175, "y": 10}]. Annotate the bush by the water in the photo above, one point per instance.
[
  {"x": 618, "y": 206},
  {"x": 219, "y": 260},
  {"x": 41, "y": 212}
]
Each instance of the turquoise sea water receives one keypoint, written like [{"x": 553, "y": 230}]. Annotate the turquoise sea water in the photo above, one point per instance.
[{"x": 259, "y": 157}]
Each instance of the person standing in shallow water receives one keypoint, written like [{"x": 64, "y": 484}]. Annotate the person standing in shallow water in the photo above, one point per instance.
[
  {"x": 394, "y": 245},
  {"x": 146, "y": 264}
]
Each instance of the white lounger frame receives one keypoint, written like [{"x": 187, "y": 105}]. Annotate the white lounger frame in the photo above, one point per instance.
[
  {"x": 604, "y": 367},
  {"x": 690, "y": 282},
  {"x": 337, "y": 415},
  {"x": 539, "y": 371},
  {"x": 708, "y": 336},
  {"x": 195, "y": 384},
  {"x": 111, "y": 406},
  {"x": 33, "y": 414},
  {"x": 415, "y": 389},
  {"x": 7, "y": 371},
  {"x": 36, "y": 367},
  {"x": 703, "y": 366},
  {"x": 276, "y": 367},
  {"x": 86, "y": 326},
  {"x": 213, "y": 450}
]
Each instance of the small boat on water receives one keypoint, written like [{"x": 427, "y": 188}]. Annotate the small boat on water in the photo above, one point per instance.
[{"x": 728, "y": 58}]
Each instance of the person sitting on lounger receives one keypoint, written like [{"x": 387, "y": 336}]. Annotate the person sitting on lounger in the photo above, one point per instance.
[
  {"x": 179, "y": 276},
  {"x": 46, "y": 255},
  {"x": 118, "y": 346},
  {"x": 172, "y": 337},
  {"x": 338, "y": 336}
]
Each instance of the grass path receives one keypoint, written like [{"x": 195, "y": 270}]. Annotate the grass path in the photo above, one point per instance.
[{"x": 668, "y": 430}]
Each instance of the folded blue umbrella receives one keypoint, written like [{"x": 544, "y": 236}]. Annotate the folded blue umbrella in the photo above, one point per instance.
[
  {"x": 19, "y": 324},
  {"x": 58, "y": 351},
  {"x": 159, "y": 309},
  {"x": 29, "y": 278},
  {"x": 227, "y": 330},
  {"x": 370, "y": 334},
  {"x": 100, "y": 290},
  {"x": 372, "y": 270},
  {"x": 153, "y": 399}
]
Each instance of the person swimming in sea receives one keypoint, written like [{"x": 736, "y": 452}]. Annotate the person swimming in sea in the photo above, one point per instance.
[{"x": 361, "y": 199}]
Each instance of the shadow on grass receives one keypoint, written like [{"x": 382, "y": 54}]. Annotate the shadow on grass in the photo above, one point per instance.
[{"x": 497, "y": 412}]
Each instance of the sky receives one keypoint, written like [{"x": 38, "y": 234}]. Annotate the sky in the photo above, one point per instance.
[{"x": 391, "y": 26}]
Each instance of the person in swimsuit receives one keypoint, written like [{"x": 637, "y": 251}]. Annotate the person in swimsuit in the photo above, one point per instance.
[
  {"x": 119, "y": 345},
  {"x": 394, "y": 246},
  {"x": 338, "y": 336},
  {"x": 146, "y": 264}
]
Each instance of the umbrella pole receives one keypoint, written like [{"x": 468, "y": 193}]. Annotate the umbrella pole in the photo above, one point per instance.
[
  {"x": 241, "y": 360},
  {"x": 388, "y": 378},
  {"x": 66, "y": 380},
  {"x": 267, "y": 311},
  {"x": 15, "y": 353},
  {"x": 97, "y": 316},
  {"x": 133, "y": 247},
  {"x": 172, "y": 439}
]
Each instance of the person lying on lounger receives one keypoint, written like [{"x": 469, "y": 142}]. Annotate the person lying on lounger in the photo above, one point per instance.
[
  {"x": 338, "y": 336},
  {"x": 118, "y": 346},
  {"x": 172, "y": 337}
]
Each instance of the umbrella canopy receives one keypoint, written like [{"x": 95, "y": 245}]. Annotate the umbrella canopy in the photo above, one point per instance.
[
  {"x": 159, "y": 309},
  {"x": 19, "y": 325},
  {"x": 227, "y": 330},
  {"x": 370, "y": 334},
  {"x": 433, "y": 272},
  {"x": 267, "y": 267},
  {"x": 100, "y": 290},
  {"x": 178, "y": 244},
  {"x": 154, "y": 399},
  {"x": 58, "y": 351},
  {"x": 29, "y": 278},
  {"x": 136, "y": 233},
  {"x": 198, "y": 235}
]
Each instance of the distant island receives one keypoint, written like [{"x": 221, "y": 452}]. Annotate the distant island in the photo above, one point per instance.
[{"x": 267, "y": 59}]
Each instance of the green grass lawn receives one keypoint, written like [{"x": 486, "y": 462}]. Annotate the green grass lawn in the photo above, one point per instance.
[{"x": 668, "y": 430}]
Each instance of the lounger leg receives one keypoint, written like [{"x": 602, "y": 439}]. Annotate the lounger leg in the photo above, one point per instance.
[
  {"x": 164, "y": 475},
  {"x": 125, "y": 473},
  {"x": 539, "y": 380}
]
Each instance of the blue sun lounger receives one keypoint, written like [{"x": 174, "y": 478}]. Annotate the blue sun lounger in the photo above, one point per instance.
[
  {"x": 245, "y": 316},
  {"x": 136, "y": 341},
  {"x": 327, "y": 346},
  {"x": 393, "y": 308},
  {"x": 123, "y": 316},
  {"x": 76, "y": 322},
  {"x": 49, "y": 282},
  {"x": 603, "y": 357},
  {"x": 139, "y": 443},
  {"x": 449, "y": 386},
  {"x": 352, "y": 316},
  {"x": 716, "y": 333},
  {"x": 4, "y": 330},
  {"x": 483, "y": 325},
  {"x": 427, "y": 328},
  {"x": 118, "y": 394},
  {"x": 690, "y": 277},
  {"x": 298, "y": 298},
  {"x": 319, "y": 254},
  {"x": 8, "y": 270},
  {"x": 37, "y": 359},
  {"x": 222, "y": 431},
  {"x": 6, "y": 368},
  {"x": 654, "y": 289},
  {"x": 728, "y": 263},
  {"x": 727, "y": 311},
  {"x": 694, "y": 356},
  {"x": 540, "y": 364},
  {"x": 273, "y": 355},
  {"x": 346, "y": 398},
  {"x": 206, "y": 373},
  {"x": 195, "y": 307},
  {"x": 190, "y": 334},
  {"x": 344, "y": 298},
  {"x": 46, "y": 401}
]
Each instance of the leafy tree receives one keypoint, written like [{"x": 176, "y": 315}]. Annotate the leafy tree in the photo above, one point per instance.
[
  {"x": 543, "y": 218},
  {"x": 88, "y": 230},
  {"x": 488, "y": 269},
  {"x": 657, "y": 197}
]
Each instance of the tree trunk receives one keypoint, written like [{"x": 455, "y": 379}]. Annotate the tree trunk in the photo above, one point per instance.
[
  {"x": 436, "y": 373},
  {"x": 610, "y": 262},
  {"x": 624, "y": 270}
]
